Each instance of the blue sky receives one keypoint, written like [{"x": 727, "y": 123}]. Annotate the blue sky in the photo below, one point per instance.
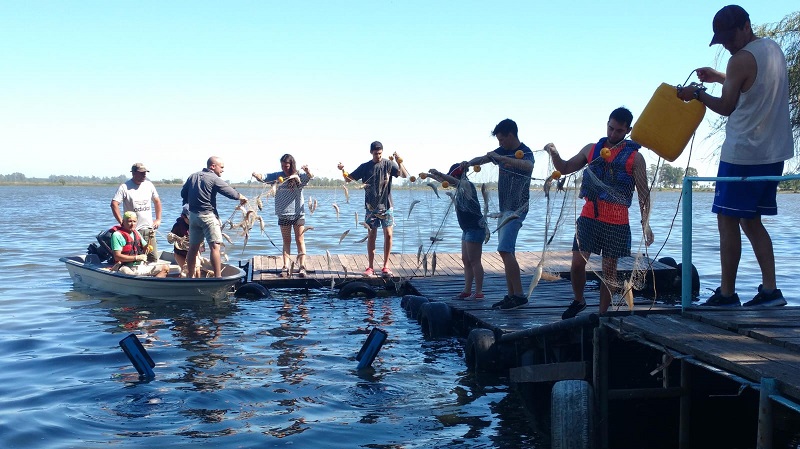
[{"x": 89, "y": 87}]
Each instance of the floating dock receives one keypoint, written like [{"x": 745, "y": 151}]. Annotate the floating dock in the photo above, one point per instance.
[{"x": 655, "y": 376}]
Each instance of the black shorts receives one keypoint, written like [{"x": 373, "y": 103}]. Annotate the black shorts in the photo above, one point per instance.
[
  {"x": 607, "y": 240},
  {"x": 291, "y": 221}
]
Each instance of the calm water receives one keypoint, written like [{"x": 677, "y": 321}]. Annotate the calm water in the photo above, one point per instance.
[{"x": 266, "y": 373}]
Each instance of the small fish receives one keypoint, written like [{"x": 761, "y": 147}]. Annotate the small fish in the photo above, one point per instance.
[
  {"x": 627, "y": 293},
  {"x": 560, "y": 184},
  {"x": 246, "y": 237},
  {"x": 508, "y": 220},
  {"x": 494, "y": 215},
  {"x": 410, "y": 208},
  {"x": 451, "y": 195},
  {"x": 485, "y": 194},
  {"x": 425, "y": 265},
  {"x": 315, "y": 204},
  {"x": 433, "y": 186},
  {"x": 307, "y": 228},
  {"x": 537, "y": 275},
  {"x": 435, "y": 239},
  {"x": 485, "y": 226},
  {"x": 433, "y": 264},
  {"x": 344, "y": 234},
  {"x": 546, "y": 187},
  {"x": 356, "y": 219},
  {"x": 328, "y": 259},
  {"x": 366, "y": 226},
  {"x": 227, "y": 238},
  {"x": 346, "y": 194},
  {"x": 344, "y": 268},
  {"x": 259, "y": 203},
  {"x": 419, "y": 254},
  {"x": 336, "y": 207},
  {"x": 260, "y": 223},
  {"x": 364, "y": 239}
]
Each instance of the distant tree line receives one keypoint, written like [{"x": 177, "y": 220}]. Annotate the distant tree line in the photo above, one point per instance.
[{"x": 670, "y": 177}]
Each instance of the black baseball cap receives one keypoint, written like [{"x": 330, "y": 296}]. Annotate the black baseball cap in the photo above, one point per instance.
[
  {"x": 726, "y": 22},
  {"x": 374, "y": 146}
]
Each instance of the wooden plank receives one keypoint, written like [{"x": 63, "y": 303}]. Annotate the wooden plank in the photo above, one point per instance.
[
  {"x": 549, "y": 372},
  {"x": 735, "y": 353}
]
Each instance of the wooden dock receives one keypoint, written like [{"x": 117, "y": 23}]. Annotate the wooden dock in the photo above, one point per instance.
[
  {"x": 341, "y": 268},
  {"x": 657, "y": 375}
]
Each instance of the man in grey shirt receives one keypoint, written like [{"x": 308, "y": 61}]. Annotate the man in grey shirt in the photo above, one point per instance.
[{"x": 200, "y": 193}]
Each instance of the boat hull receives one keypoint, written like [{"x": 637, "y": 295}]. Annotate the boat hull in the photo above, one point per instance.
[{"x": 95, "y": 275}]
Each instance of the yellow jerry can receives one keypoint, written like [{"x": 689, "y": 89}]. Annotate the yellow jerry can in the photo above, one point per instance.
[{"x": 667, "y": 122}]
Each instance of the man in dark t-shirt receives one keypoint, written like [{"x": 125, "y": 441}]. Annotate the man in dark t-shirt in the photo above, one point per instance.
[{"x": 377, "y": 175}]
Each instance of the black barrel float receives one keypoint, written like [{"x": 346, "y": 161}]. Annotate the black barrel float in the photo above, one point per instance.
[
  {"x": 252, "y": 290},
  {"x": 434, "y": 318},
  {"x": 356, "y": 289}
]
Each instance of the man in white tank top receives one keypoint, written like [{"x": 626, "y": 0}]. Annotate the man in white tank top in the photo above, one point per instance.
[{"x": 758, "y": 139}]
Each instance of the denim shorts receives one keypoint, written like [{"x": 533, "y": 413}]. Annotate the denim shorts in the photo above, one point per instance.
[
  {"x": 474, "y": 235},
  {"x": 507, "y": 235}
]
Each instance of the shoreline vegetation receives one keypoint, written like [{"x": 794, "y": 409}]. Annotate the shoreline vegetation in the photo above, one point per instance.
[
  {"x": 672, "y": 182},
  {"x": 334, "y": 184}
]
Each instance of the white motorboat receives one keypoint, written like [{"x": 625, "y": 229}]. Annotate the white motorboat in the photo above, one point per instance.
[{"x": 89, "y": 271}]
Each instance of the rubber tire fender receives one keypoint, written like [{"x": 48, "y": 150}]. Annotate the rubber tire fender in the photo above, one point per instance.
[
  {"x": 252, "y": 290},
  {"x": 695, "y": 281},
  {"x": 572, "y": 415},
  {"x": 414, "y": 304},
  {"x": 405, "y": 302},
  {"x": 356, "y": 289},
  {"x": 435, "y": 319},
  {"x": 479, "y": 353}
]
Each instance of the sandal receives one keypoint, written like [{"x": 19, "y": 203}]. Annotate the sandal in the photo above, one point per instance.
[
  {"x": 462, "y": 295},
  {"x": 477, "y": 296},
  {"x": 284, "y": 272},
  {"x": 369, "y": 272},
  {"x": 386, "y": 272},
  {"x": 302, "y": 272}
]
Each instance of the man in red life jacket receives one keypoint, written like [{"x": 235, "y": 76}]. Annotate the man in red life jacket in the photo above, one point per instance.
[
  {"x": 615, "y": 168},
  {"x": 126, "y": 243}
]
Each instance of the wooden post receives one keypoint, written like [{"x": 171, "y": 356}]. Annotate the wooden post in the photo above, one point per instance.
[
  {"x": 600, "y": 374},
  {"x": 685, "y": 403},
  {"x": 765, "y": 413}
]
